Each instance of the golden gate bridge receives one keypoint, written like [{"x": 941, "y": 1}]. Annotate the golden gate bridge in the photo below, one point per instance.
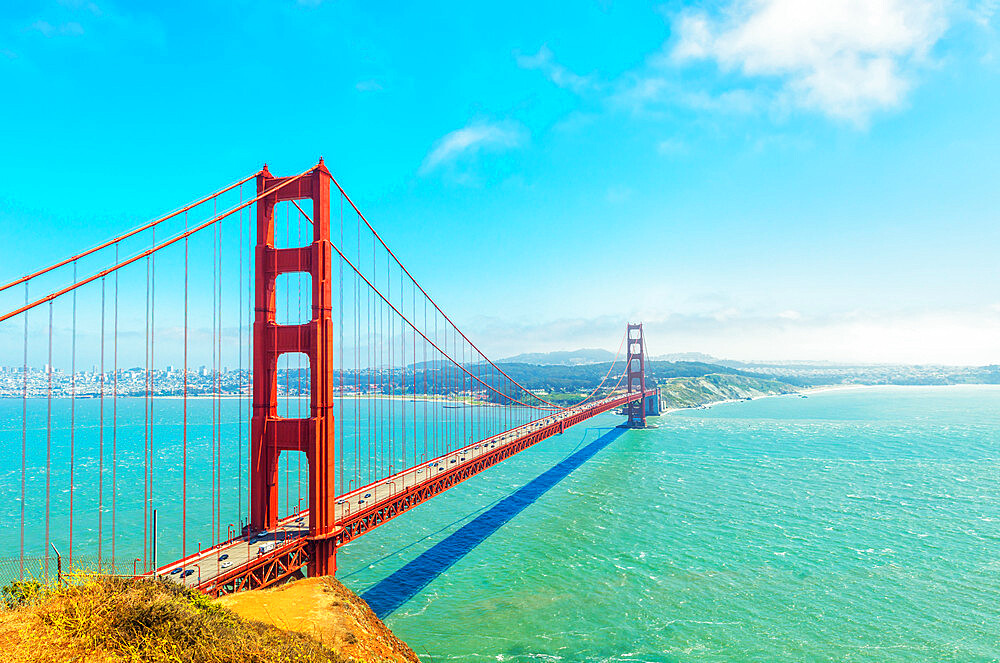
[{"x": 302, "y": 296}]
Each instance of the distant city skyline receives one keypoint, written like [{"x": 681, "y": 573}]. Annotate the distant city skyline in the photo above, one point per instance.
[{"x": 767, "y": 180}]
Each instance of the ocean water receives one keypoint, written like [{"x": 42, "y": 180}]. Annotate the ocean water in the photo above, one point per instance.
[{"x": 852, "y": 525}]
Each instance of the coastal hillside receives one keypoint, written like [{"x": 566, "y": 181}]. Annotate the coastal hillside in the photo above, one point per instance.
[
  {"x": 111, "y": 619},
  {"x": 713, "y": 388},
  {"x": 562, "y": 357},
  {"x": 582, "y": 378}
]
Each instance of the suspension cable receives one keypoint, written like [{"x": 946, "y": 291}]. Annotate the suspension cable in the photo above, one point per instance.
[
  {"x": 118, "y": 239},
  {"x": 148, "y": 252},
  {"x": 430, "y": 299}
]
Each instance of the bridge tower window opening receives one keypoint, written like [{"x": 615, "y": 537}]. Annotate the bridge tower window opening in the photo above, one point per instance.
[
  {"x": 293, "y": 223},
  {"x": 294, "y": 291}
]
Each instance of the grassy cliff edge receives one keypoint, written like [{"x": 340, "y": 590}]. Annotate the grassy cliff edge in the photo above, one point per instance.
[{"x": 110, "y": 619}]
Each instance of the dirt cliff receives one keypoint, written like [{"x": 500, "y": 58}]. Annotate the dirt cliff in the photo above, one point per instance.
[{"x": 325, "y": 610}]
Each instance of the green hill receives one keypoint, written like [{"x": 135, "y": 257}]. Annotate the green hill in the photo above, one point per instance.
[{"x": 713, "y": 388}]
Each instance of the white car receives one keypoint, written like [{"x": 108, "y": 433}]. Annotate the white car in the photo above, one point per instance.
[{"x": 225, "y": 565}]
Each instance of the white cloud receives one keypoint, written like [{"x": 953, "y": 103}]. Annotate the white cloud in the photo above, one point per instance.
[
  {"x": 984, "y": 10},
  {"x": 473, "y": 139},
  {"x": 844, "y": 58},
  {"x": 949, "y": 337},
  {"x": 557, "y": 73},
  {"x": 49, "y": 30},
  {"x": 672, "y": 146},
  {"x": 82, "y": 4}
]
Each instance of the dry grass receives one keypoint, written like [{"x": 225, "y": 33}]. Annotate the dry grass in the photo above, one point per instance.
[{"x": 104, "y": 618}]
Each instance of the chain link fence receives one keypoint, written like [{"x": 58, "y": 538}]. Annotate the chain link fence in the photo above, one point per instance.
[{"x": 15, "y": 571}]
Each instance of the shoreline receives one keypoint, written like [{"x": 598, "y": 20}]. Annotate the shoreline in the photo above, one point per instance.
[
  {"x": 832, "y": 387},
  {"x": 803, "y": 392}
]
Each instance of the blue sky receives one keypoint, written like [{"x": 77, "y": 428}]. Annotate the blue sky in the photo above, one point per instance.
[{"x": 774, "y": 179}]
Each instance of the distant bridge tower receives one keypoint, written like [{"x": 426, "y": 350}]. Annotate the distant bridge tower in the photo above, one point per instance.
[
  {"x": 269, "y": 433},
  {"x": 636, "y": 376}
]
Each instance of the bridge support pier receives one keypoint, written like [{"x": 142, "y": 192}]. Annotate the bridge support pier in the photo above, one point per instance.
[
  {"x": 269, "y": 433},
  {"x": 652, "y": 404}
]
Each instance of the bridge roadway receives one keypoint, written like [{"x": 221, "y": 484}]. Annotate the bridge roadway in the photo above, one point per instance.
[{"x": 258, "y": 560}]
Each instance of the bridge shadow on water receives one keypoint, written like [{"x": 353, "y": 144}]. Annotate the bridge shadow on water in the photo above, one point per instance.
[{"x": 393, "y": 591}]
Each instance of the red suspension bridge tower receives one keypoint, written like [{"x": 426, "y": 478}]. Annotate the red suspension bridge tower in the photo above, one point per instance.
[
  {"x": 635, "y": 376},
  {"x": 271, "y": 434}
]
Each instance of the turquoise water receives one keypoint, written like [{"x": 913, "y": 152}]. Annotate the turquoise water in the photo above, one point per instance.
[{"x": 855, "y": 525}]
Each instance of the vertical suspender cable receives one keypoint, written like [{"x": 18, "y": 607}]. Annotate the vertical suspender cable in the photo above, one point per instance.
[
  {"x": 288, "y": 376},
  {"x": 152, "y": 389},
  {"x": 239, "y": 380},
  {"x": 184, "y": 406},
  {"x": 218, "y": 395},
  {"x": 145, "y": 429},
  {"x": 24, "y": 427},
  {"x": 48, "y": 446},
  {"x": 298, "y": 362},
  {"x": 376, "y": 367},
  {"x": 437, "y": 389},
  {"x": 114, "y": 425},
  {"x": 251, "y": 267},
  {"x": 72, "y": 420},
  {"x": 413, "y": 304},
  {"x": 426, "y": 395},
  {"x": 218, "y": 391},
  {"x": 340, "y": 400},
  {"x": 361, "y": 406},
  {"x": 215, "y": 302},
  {"x": 100, "y": 443},
  {"x": 402, "y": 379},
  {"x": 251, "y": 276}
]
